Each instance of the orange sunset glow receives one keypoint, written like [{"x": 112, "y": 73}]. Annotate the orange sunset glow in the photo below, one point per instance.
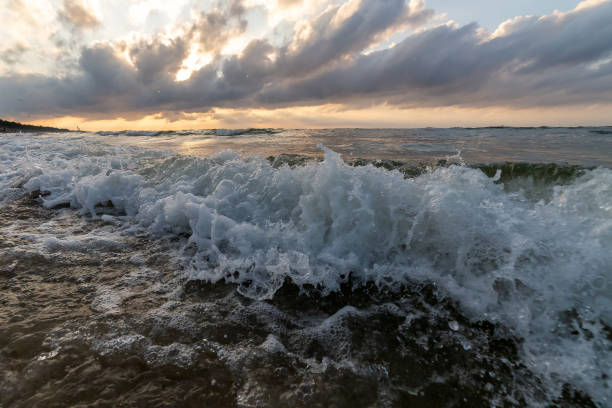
[{"x": 147, "y": 64}]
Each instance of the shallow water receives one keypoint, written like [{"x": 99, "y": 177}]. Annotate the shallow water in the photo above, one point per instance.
[{"x": 132, "y": 275}]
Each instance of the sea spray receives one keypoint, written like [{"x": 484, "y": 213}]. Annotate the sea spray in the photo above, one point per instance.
[{"x": 540, "y": 268}]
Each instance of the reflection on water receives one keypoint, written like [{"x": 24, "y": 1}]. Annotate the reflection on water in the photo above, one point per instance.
[{"x": 583, "y": 146}]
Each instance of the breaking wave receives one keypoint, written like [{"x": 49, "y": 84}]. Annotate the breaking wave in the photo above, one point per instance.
[
  {"x": 537, "y": 263},
  {"x": 238, "y": 132}
]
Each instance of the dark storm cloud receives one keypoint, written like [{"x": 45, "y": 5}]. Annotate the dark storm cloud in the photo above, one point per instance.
[
  {"x": 73, "y": 12},
  {"x": 156, "y": 61},
  {"x": 537, "y": 62},
  {"x": 330, "y": 41},
  {"x": 556, "y": 60}
]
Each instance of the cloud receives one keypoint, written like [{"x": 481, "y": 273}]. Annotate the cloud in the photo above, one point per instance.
[
  {"x": 343, "y": 31},
  {"x": 535, "y": 61},
  {"x": 213, "y": 29},
  {"x": 13, "y": 54},
  {"x": 23, "y": 10},
  {"x": 560, "y": 59},
  {"x": 288, "y": 3},
  {"x": 77, "y": 14},
  {"x": 157, "y": 61}
]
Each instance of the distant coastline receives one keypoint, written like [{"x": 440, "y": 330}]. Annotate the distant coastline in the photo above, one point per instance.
[{"x": 9, "y": 127}]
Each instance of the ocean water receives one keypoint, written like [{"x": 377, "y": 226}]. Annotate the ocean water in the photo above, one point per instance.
[{"x": 274, "y": 267}]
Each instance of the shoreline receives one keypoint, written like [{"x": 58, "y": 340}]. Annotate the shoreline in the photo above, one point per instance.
[{"x": 16, "y": 127}]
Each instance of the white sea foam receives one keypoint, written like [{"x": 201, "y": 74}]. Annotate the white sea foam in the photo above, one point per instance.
[{"x": 503, "y": 257}]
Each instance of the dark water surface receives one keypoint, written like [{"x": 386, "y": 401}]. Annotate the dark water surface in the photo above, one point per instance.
[{"x": 588, "y": 146}]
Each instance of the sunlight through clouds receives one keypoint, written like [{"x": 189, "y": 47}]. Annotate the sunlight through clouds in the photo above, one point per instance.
[
  {"x": 132, "y": 59},
  {"x": 194, "y": 62}
]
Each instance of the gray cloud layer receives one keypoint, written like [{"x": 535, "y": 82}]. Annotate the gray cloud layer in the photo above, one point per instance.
[{"x": 556, "y": 60}]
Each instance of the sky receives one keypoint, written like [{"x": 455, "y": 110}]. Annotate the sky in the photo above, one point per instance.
[{"x": 185, "y": 64}]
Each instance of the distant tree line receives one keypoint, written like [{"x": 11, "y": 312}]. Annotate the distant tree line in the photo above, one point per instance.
[{"x": 8, "y": 126}]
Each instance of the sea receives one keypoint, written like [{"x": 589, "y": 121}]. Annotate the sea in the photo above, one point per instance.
[{"x": 307, "y": 268}]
